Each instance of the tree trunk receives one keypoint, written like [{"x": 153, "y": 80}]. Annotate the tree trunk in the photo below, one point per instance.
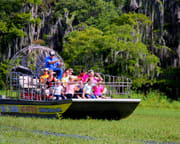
[{"x": 152, "y": 26}]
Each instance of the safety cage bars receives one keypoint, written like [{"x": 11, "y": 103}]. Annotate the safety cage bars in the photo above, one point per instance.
[{"x": 29, "y": 87}]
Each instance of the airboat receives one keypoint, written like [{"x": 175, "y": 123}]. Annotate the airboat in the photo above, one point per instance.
[{"x": 25, "y": 93}]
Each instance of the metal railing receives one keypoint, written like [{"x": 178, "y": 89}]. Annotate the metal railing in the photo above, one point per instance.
[{"x": 29, "y": 87}]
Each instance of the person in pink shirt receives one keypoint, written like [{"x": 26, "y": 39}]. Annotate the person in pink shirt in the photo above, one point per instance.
[
  {"x": 94, "y": 78},
  {"x": 98, "y": 90},
  {"x": 70, "y": 88},
  {"x": 83, "y": 76}
]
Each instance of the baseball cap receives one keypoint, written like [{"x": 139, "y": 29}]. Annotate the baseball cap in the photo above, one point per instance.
[{"x": 52, "y": 53}]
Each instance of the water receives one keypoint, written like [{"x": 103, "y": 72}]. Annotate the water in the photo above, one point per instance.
[
  {"x": 49, "y": 133},
  {"x": 76, "y": 136}
]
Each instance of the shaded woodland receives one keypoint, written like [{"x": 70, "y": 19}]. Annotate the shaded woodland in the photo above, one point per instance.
[{"x": 139, "y": 39}]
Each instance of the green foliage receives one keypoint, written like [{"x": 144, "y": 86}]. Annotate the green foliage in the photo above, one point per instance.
[
  {"x": 134, "y": 19},
  {"x": 118, "y": 49},
  {"x": 20, "y": 20},
  {"x": 3, "y": 27},
  {"x": 15, "y": 32},
  {"x": 169, "y": 81},
  {"x": 83, "y": 46},
  {"x": 36, "y": 21},
  {"x": 15, "y": 20},
  {"x": 96, "y": 13},
  {"x": 3, "y": 71},
  {"x": 156, "y": 99},
  {"x": 33, "y": 1},
  {"x": 118, "y": 3}
]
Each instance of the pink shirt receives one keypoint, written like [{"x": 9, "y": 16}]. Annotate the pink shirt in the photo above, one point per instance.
[
  {"x": 70, "y": 88},
  {"x": 98, "y": 90},
  {"x": 94, "y": 80},
  {"x": 84, "y": 78}
]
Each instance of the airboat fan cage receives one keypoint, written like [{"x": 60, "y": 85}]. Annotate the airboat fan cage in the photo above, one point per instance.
[
  {"x": 31, "y": 59},
  {"x": 28, "y": 61}
]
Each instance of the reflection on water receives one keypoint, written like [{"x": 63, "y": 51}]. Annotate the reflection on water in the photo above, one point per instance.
[
  {"x": 154, "y": 142},
  {"x": 76, "y": 136},
  {"x": 47, "y": 133}
]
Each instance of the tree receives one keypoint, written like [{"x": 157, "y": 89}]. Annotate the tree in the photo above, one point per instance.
[
  {"x": 19, "y": 21},
  {"x": 118, "y": 49}
]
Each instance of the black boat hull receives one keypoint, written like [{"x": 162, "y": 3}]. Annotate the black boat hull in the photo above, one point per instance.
[{"x": 101, "y": 108}]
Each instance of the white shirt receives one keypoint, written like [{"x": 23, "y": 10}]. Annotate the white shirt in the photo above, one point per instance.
[
  {"x": 88, "y": 88},
  {"x": 58, "y": 90}
]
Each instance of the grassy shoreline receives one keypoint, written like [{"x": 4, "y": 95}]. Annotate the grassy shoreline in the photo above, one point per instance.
[
  {"x": 145, "y": 124},
  {"x": 156, "y": 100}
]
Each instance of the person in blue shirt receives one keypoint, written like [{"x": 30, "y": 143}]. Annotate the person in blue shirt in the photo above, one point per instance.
[{"x": 52, "y": 63}]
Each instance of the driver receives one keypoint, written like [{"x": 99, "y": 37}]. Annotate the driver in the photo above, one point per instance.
[{"x": 52, "y": 63}]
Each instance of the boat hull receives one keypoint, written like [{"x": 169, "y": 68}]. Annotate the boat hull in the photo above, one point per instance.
[
  {"x": 34, "y": 108},
  {"x": 101, "y": 108}
]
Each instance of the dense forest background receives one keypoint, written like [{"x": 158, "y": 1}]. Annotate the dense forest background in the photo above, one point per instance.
[{"x": 139, "y": 39}]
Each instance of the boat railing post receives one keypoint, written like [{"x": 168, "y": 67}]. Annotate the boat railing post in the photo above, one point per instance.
[
  {"x": 127, "y": 85},
  {"x": 16, "y": 86},
  {"x": 10, "y": 89},
  {"x": 23, "y": 87},
  {"x": 113, "y": 84},
  {"x": 28, "y": 88},
  {"x": 123, "y": 87}
]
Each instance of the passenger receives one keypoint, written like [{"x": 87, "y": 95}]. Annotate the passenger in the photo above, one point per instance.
[
  {"x": 58, "y": 90},
  {"x": 49, "y": 85},
  {"x": 65, "y": 78},
  {"x": 71, "y": 74},
  {"x": 51, "y": 79},
  {"x": 70, "y": 87},
  {"x": 66, "y": 73},
  {"x": 44, "y": 76},
  {"x": 96, "y": 78},
  {"x": 83, "y": 76},
  {"x": 98, "y": 90},
  {"x": 79, "y": 90},
  {"x": 87, "y": 91},
  {"x": 47, "y": 95},
  {"x": 43, "y": 81},
  {"x": 52, "y": 63}
]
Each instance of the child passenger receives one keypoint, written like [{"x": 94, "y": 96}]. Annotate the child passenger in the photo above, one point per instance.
[
  {"x": 44, "y": 76},
  {"x": 98, "y": 90},
  {"x": 51, "y": 79},
  {"x": 58, "y": 90},
  {"x": 79, "y": 90},
  {"x": 87, "y": 91},
  {"x": 70, "y": 86}
]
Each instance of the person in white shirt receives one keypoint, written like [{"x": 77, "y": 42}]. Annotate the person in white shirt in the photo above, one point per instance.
[
  {"x": 58, "y": 90},
  {"x": 87, "y": 91}
]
